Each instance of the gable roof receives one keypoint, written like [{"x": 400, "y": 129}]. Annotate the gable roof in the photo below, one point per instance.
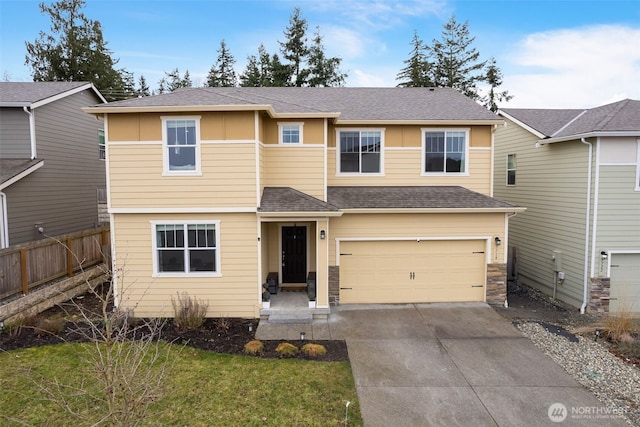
[
  {"x": 13, "y": 170},
  {"x": 36, "y": 94},
  {"x": 347, "y": 105},
  {"x": 621, "y": 117},
  {"x": 287, "y": 199}
]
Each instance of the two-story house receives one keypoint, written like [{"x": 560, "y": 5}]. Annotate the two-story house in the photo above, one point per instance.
[
  {"x": 383, "y": 194},
  {"x": 51, "y": 160},
  {"x": 578, "y": 173}
]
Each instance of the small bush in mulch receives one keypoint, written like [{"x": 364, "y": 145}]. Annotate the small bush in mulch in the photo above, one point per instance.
[
  {"x": 253, "y": 347},
  {"x": 286, "y": 349},
  {"x": 314, "y": 350}
]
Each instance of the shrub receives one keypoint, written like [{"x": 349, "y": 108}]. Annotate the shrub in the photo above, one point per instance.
[
  {"x": 253, "y": 347},
  {"x": 54, "y": 326},
  {"x": 618, "y": 325},
  {"x": 314, "y": 350},
  {"x": 286, "y": 349},
  {"x": 15, "y": 327},
  {"x": 189, "y": 313},
  {"x": 223, "y": 324}
]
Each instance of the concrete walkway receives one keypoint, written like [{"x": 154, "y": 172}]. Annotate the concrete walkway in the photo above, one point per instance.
[{"x": 447, "y": 365}]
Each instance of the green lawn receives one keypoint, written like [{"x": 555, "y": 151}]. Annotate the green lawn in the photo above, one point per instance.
[{"x": 202, "y": 389}]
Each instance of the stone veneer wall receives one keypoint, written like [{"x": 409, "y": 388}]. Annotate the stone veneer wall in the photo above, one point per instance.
[
  {"x": 334, "y": 284},
  {"x": 496, "y": 284},
  {"x": 599, "y": 297}
]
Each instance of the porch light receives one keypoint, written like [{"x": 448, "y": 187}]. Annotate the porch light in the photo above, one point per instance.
[
  {"x": 604, "y": 255},
  {"x": 322, "y": 234},
  {"x": 498, "y": 241},
  {"x": 302, "y": 335}
]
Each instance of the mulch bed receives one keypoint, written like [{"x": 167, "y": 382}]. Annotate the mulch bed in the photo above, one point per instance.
[{"x": 227, "y": 336}]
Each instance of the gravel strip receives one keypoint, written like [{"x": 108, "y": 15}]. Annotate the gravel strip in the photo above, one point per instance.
[{"x": 613, "y": 382}]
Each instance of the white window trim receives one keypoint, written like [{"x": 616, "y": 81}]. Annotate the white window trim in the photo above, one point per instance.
[
  {"x": 638, "y": 165},
  {"x": 165, "y": 156},
  {"x": 466, "y": 152},
  {"x": 281, "y": 126},
  {"x": 338, "y": 152},
  {"x": 506, "y": 178},
  {"x": 154, "y": 243},
  {"x": 102, "y": 147}
]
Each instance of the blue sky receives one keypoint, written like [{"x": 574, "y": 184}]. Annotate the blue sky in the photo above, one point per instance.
[{"x": 553, "y": 53}]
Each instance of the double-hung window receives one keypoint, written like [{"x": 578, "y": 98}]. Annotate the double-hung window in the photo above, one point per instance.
[
  {"x": 182, "y": 145},
  {"x": 445, "y": 151},
  {"x": 102, "y": 152},
  {"x": 290, "y": 133},
  {"x": 360, "y": 151},
  {"x": 187, "y": 248},
  {"x": 511, "y": 169}
]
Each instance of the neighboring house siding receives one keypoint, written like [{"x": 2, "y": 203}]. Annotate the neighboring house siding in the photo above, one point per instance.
[
  {"x": 15, "y": 142},
  {"x": 299, "y": 167},
  {"x": 234, "y": 294},
  {"x": 551, "y": 182},
  {"x": 62, "y": 195}
]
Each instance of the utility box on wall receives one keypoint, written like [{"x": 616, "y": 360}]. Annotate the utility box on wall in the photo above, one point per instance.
[{"x": 556, "y": 258}]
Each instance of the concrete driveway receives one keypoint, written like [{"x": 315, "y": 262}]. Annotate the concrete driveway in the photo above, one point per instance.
[{"x": 453, "y": 364}]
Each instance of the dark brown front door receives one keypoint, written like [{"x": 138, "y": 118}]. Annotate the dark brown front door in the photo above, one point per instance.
[{"x": 294, "y": 254}]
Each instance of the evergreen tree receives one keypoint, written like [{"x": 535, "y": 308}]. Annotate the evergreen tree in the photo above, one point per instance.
[
  {"x": 456, "y": 61},
  {"x": 278, "y": 74},
  {"x": 258, "y": 70},
  {"x": 493, "y": 78},
  {"x": 173, "y": 81},
  {"x": 75, "y": 50},
  {"x": 323, "y": 71},
  {"x": 222, "y": 73},
  {"x": 417, "y": 72},
  {"x": 143, "y": 87},
  {"x": 294, "y": 49}
]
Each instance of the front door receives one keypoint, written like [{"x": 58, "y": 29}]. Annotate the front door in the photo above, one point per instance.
[{"x": 294, "y": 254}]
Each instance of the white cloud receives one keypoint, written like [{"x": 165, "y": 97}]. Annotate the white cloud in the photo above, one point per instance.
[
  {"x": 575, "y": 68},
  {"x": 382, "y": 13}
]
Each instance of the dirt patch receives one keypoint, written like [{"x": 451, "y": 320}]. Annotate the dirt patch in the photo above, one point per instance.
[{"x": 227, "y": 336}]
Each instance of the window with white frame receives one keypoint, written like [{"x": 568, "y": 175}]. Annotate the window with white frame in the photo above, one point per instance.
[
  {"x": 290, "y": 133},
  {"x": 181, "y": 144},
  {"x": 360, "y": 151},
  {"x": 638, "y": 165},
  {"x": 102, "y": 153},
  {"x": 511, "y": 169},
  {"x": 188, "y": 248},
  {"x": 445, "y": 151}
]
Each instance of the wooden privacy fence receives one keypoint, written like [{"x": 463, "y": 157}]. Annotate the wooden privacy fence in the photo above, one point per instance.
[{"x": 25, "y": 267}]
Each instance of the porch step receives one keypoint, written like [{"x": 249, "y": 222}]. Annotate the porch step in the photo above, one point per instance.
[{"x": 297, "y": 316}]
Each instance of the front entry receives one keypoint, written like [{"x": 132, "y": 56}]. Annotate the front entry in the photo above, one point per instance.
[{"x": 294, "y": 254}]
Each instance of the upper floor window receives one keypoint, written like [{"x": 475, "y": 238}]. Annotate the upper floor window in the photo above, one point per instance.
[
  {"x": 360, "y": 151},
  {"x": 511, "y": 169},
  {"x": 182, "y": 148},
  {"x": 290, "y": 133},
  {"x": 186, "y": 247},
  {"x": 445, "y": 151},
  {"x": 102, "y": 153}
]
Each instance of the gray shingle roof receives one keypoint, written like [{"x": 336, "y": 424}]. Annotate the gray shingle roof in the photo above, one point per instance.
[
  {"x": 10, "y": 168},
  {"x": 30, "y": 92},
  {"x": 616, "y": 117},
  {"x": 286, "y": 199},
  {"x": 424, "y": 197},
  {"x": 391, "y": 104}
]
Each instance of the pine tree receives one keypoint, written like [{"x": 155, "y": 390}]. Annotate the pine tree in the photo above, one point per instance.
[
  {"x": 323, "y": 71},
  {"x": 493, "y": 77},
  {"x": 257, "y": 73},
  {"x": 278, "y": 74},
  {"x": 173, "y": 81},
  {"x": 294, "y": 49},
  {"x": 417, "y": 72},
  {"x": 143, "y": 87},
  {"x": 222, "y": 73},
  {"x": 456, "y": 61},
  {"x": 75, "y": 50}
]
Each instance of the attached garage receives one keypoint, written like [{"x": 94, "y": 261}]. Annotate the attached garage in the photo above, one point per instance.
[
  {"x": 625, "y": 283},
  {"x": 412, "y": 271}
]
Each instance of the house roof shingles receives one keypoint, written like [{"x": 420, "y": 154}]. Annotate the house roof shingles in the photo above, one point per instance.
[
  {"x": 286, "y": 199},
  {"x": 10, "y": 168},
  {"x": 30, "y": 92}
]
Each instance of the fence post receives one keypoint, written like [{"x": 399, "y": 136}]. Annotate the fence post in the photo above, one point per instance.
[
  {"x": 25, "y": 274},
  {"x": 69, "y": 257}
]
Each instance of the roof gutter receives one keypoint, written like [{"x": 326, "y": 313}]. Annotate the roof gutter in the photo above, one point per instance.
[
  {"x": 32, "y": 130},
  {"x": 513, "y": 209},
  {"x": 582, "y": 136},
  {"x": 586, "y": 231}
]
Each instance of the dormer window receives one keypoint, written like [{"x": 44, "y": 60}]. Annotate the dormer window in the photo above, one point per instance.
[{"x": 290, "y": 133}]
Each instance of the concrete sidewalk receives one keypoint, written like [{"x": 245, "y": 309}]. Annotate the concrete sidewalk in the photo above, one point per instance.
[{"x": 447, "y": 364}]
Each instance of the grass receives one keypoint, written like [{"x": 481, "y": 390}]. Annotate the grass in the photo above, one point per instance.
[{"x": 202, "y": 389}]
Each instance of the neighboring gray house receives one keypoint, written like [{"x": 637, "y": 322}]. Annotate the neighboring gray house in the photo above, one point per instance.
[
  {"x": 578, "y": 174},
  {"x": 51, "y": 161}
]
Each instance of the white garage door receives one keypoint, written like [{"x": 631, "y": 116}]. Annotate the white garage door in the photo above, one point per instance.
[
  {"x": 412, "y": 271},
  {"x": 625, "y": 283}
]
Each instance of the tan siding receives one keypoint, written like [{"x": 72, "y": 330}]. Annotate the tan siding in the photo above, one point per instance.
[
  {"x": 235, "y": 294},
  {"x": 137, "y": 181},
  {"x": 292, "y": 166},
  {"x": 312, "y": 130},
  {"x": 407, "y": 136}
]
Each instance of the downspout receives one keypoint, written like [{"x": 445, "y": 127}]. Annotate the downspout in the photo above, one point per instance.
[
  {"x": 32, "y": 131},
  {"x": 586, "y": 232}
]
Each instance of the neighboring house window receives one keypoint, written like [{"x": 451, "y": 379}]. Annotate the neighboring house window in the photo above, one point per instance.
[
  {"x": 638, "y": 165},
  {"x": 182, "y": 145},
  {"x": 101, "y": 146},
  {"x": 187, "y": 248},
  {"x": 445, "y": 151},
  {"x": 511, "y": 169},
  {"x": 290, "y": 133},
  {"x": 360, "y": 151}
]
